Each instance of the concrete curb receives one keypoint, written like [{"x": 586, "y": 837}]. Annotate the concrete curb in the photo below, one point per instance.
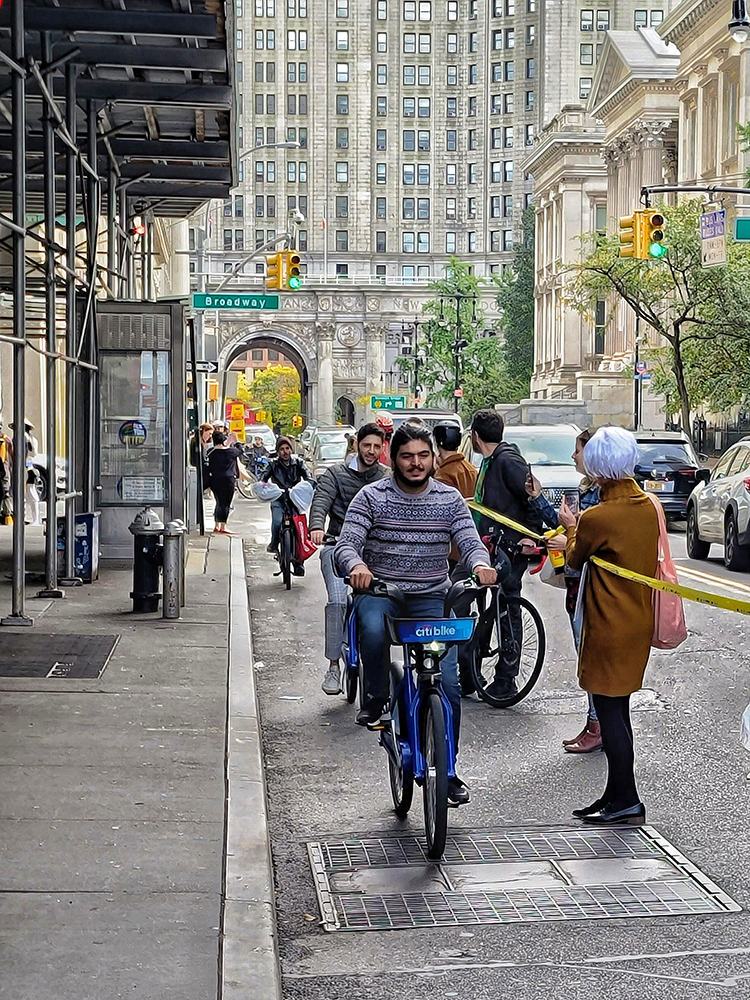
[{"x": 249, "y": 954}]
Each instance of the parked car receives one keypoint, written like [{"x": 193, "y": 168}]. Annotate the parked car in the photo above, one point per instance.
[
  {"x": 329, "y": 433},
  {"x": 40, "y": 464},
  {"x": 669, "y": 468},
  {"x": 427, "y": 416},
  {"x": 261, "y": 430},
  {"x": 326, "y": 453},
  {"x": 718, "y": 508}
]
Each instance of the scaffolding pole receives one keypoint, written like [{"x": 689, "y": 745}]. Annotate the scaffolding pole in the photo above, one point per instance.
[{"x": 18, "y": 614}]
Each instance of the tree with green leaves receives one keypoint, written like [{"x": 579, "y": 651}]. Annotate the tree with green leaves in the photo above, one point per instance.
[
  {"x": 699, "y": 317},
  {"x": 276, "y": 390},
  {"x": 515, "y": 300}
]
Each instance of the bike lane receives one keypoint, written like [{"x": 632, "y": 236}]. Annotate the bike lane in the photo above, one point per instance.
[{"x": 327, "y": 782}]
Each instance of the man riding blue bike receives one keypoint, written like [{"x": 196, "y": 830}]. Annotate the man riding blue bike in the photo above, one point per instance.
[{"x": 400, "y": 530}]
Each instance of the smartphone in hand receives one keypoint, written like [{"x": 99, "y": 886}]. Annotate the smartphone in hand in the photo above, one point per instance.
[{"x": 572, "y": 501}]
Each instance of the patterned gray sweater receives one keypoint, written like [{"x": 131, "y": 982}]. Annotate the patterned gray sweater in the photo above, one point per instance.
[{"x": 406, "y": 537}]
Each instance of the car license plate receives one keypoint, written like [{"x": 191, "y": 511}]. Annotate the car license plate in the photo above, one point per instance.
[{"x": 658, "y": 486}]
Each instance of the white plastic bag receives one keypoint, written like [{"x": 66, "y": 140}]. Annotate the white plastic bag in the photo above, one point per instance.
[
  {"x": 551, "y": 575},
  {"x": 267, "y": 491},
  {"x": 301, "y": 495},
  {"x": 745, "y": 728}
]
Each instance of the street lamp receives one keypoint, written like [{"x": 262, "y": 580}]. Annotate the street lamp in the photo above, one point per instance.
[
  {"x": 270, "y": 145},
  {"x": 459, "y": 343},
  {"x": 739, "y": 26},
  {"x": 413, "y": 350}
]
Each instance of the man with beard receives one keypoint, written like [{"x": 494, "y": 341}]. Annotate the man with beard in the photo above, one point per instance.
[
  {"x": 400, "y": 530},
  {"x": 335, "y": 490}
]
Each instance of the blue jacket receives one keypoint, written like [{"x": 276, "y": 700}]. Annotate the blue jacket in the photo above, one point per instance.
[{"x": 588, "y": 497}]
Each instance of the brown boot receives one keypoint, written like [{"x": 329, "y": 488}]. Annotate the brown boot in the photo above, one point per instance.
[
  {"x": 567, "y": 743},
  {"x": 589, "y": 742}
]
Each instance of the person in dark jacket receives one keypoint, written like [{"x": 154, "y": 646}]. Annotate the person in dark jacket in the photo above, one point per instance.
[
  {"x": 335, "y": 490},
  {"x": 286, "y": 471},
  {"x": 501, "y": 486},
  {"x": 223, "y": 470}
]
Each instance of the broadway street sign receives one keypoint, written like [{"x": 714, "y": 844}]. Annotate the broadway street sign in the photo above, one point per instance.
[{"x": 234, "y": 301}]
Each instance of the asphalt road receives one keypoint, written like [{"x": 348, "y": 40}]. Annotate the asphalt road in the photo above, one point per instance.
[{"x": 327, "y": 778}]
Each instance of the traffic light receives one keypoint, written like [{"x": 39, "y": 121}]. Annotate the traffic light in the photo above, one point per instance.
[
  {"x": 275, "y": 270},
  {"x": 630, "y": 235},
  {"x": 653, "y": 234},
  {"x": 297, "y": 420},
  {"x": 293, "y": 281}
]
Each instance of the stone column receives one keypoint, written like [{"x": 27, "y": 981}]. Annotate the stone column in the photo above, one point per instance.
[
  {"x": 652, "y": 137},
  {"x": 324, "y": 395},
  {"x": 374, "y": 357}
]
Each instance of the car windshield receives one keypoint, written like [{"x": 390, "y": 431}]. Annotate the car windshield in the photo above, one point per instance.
[
  {"x": 544, "y": 447},
  {"x": 332, "y": 450},
  {"x": 666, "y": 453}
]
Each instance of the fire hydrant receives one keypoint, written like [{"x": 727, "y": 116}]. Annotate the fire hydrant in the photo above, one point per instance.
[{"x": 146, "y": 529}]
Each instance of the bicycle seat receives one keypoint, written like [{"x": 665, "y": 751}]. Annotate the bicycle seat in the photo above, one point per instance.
[{"x": 414, "y": 631}]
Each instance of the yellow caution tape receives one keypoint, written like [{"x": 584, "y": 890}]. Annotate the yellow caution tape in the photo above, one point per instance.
[
  {"x": 508, "y": 522},
  {"x": 689, "y": 593}
]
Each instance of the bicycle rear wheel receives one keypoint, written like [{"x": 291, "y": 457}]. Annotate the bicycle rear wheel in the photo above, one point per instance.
[
  {"x": 351, "y": 682},
  {"x": 245, "y": 487},
  {"x": 402, "y": 775},
  {"x": 435, "y": 787},
  {"x": 285, "y": 557},
  {"x": 517, "y": 622}
]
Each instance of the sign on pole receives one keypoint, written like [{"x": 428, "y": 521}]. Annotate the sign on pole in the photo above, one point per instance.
[
  {"x": 742, "y": 230},
  {"x": 220, "y": 300},
  {"x": 207, "y": 367},
  {"x": 713, "y": 238},
  {"x": 388, "y": 402}
]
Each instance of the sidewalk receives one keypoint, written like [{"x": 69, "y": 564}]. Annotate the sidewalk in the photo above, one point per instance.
[{"x": 113, "y": 844}]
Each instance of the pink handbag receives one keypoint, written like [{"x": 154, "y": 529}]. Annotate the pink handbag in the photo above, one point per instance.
[{"x": 670, "y": 630}]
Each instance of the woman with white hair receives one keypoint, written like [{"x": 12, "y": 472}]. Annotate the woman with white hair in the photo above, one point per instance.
[{"x": 618, "y": 620}]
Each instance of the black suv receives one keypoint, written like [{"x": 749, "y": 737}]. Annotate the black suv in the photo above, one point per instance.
[{"x": 669, "y": 468}]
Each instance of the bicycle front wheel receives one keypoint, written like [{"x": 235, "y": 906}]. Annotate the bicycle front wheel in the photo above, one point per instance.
[
  {"x": 510, "y": 632},
  {"x": 285, "y": 557},
  {"x": 435, "y": 786},
  {"x": 351, "y": 682}
]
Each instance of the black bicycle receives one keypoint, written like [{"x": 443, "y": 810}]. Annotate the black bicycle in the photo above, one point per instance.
[{"x": 287, "y": 541}]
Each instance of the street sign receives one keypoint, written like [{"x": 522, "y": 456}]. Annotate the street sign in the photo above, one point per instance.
[
  {"x": 458, "y": 393},
  {"x": 207, "y": 367},
  {"x": 388, "y": 402},
  {"x": 742, "y": 230},
  {"x": 222, "y": 301},
  {"x": 641, "y": 367},
  {"x": 713, "y": 238}
]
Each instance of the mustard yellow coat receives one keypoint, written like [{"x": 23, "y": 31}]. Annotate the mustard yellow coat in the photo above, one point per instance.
[{"x": 618, "y": 620}]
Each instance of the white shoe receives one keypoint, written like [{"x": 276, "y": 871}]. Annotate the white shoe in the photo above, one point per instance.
[{"x": 332, "y": 680}]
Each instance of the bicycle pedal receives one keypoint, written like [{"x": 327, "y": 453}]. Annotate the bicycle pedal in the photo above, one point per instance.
[{"x": 382, "y": 723}]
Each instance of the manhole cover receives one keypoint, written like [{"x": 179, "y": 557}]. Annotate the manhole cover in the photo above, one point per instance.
[
  {"x": 24, "y": 655},
  {"x": 508, "y": 876}
]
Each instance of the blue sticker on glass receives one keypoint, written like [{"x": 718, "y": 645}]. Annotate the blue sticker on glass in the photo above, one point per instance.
[
  {"x": 440, "y": 630},
  {"x": 133, "y": 432}
]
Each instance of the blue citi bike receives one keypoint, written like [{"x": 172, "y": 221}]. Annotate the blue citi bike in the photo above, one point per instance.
[{"x": 416, "y": 730}]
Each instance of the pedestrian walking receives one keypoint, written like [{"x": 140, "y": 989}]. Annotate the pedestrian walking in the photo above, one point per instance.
[
  {"x": 589, "y": 740},
  {"x": 6, "y": 467},
  {"x": 33, "y": 478},
  {"x": 501, "y": 486},
  {"x": 205, "y": 432},
  {"x": 223, "y": 469},
  {"x": 334, "y": 491},
  {"x": 618, "y": 619}
]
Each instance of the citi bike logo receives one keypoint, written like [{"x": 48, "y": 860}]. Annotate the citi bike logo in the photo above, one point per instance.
[{"x": 435, "y": 631}]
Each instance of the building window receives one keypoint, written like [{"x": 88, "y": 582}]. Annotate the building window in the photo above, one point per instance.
[
  {"x": 409, "y": 140},
  {"x": 342, "y": 8},
  {"x": 291, "y": 104},
  {"x": 407, "y": 208},
  {"x": 271, "y": 171},
  {"x": 510, "y": 71},
  {"x": 410, "y": 43},
  {"x": 471, "y": 208},
  {"x": 271, "y": 39},
  {"x": 342, "y": 72},
  {"x": 508, "y": 206},
  {"x": 656, "y": 17},
  {"x": 600, "y": 317},
  {"x": 452, "y": 44},
  {"x": 497, "y": 8},
  {"x": 425, "y": 43},
  {"x": 291, "y": 173},
  {"x": 451, "y": 107},
  {"x": 380, "y": 242},
  {"x": 452, "y": 76},
  {"x": 239, "y": 239},
  {"x": 495, "y": 207},
  {"x": 584, "y": 87},
  {"x": 381, "y": 139},
  {"x": 640, "y": 19},
  {"x": 424, "y": 76},
  {"x": 452, "y": 10},
  {"x": 587, "y": 20},
  {"x": 494, "y": 241},
  {"x": 342, "y": 270},
  {"x": 450, "y": 208},
  {"x": 496, "y": 104},
  {"x": 259, "y": 172},
  {"x": 260, "y": 238},
  {"x": 451, "y": 140},
  {"x": 342, "y": 173},
  {"x": 450, "y": 242},
  {"x": 238, "y": 206},
  {"x": 423, "y": 107},
  {"x": 472, "y": 107},
  {"x": 380, "y": 208},
  {"x": 423, "y": 174},
  {"x": 530, "y": 34},
  {"x": 407, "y": 242},
  {"x": 510, "y": 8},
  {"x": 270, "y": 104},
  {"x": 451, "y": 173},
  {"x": 342, "y": 104},
  {"x": 423, "y": 242},
  {"x": 382, "y": 107},
  {"x": 530, "y": 69},
  {"x": 472, "y": 173},
  {"x": 497, "y": 41},
  {"x": 508, "y": 104},
  {"x": 228, "y": 208},
  {"x": 382, "y": 76},
  {"x": 342, "y": 40},
  {"x": 508, "y": 136},
  {"x": 507, "y": 240},
  {"x": 473, "y": 41},
  {"x": 227, "y": 239},
  {"x": 529, "y": 100},
  {"x": 382, "y": 10},
  {"x": 471, "y": 245},
  {"x": 410, "y": 10},
  {"x": 410, "y": 76},
  {"x": 409, "y": 107},
  {"x": 528, "y": 135},
  {"x": 342, "y": 240},
  {"x": 381, "y": 173},
  {"x": 342, "y": 138},
  {"x": 423, "y": 208},
  {"x": 602, "y": 20},
  {"x": 508, "y": 171},
  {"x": 496, "y": 138},
  {"x": 586, "y": 54},
  {"x": 423, "y": 141},
  {"x": 271, "y": 206},
  {"x": 342, "y": 207}
]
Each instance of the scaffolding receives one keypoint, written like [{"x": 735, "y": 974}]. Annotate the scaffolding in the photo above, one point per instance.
[{"x": 116, "y": 113}]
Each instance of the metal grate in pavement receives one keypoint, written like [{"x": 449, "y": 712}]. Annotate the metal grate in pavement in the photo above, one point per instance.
[
  {"x": 37, "y": 655},
  {"x": 508, "y": 876}
]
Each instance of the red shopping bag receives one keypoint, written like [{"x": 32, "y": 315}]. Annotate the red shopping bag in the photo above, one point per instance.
[{"x": 305, "y": 547}]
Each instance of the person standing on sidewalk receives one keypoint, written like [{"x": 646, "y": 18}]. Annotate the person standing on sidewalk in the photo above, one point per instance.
[
  {"x": 335, "y": 490},
  {"x": 589, "y": 740},
  {"x": 223, "y": 469},
  {"x": 501, "y": 486}
]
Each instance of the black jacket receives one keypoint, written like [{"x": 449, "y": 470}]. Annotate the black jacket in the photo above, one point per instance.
[
  {"x": 503, "y": 489},
  {"x": 336, "y": 489},
  {"x": 286, "y": 476}
]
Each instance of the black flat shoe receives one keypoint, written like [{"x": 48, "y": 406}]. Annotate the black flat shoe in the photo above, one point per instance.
[
  {"x": 458, "y": 793},
  {"x": 588, "y": 810},
  {"x": 369, "y": 714},
  {"x": 633, "y": 815}
]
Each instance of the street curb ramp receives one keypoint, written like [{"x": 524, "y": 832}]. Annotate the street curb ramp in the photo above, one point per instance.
[{"x": 249, "y": 961}]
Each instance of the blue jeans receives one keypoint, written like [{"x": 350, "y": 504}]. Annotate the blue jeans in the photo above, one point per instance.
[
  {"x": 277, "y": 515},
  {"x": 374, "y": 646}
]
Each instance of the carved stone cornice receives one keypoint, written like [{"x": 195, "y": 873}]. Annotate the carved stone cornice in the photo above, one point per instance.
[
  {"x": 693, "y": 18},
  {"x": 325, "y": 331}
]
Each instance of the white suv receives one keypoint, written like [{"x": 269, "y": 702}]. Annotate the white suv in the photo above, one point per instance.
[{"x": 719, "y": 509}]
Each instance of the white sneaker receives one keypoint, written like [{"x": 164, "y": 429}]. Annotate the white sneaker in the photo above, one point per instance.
[{"x": 332, "y": 680}]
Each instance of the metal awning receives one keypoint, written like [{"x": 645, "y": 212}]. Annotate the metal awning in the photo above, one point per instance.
[{"x": 159, "y": 75}]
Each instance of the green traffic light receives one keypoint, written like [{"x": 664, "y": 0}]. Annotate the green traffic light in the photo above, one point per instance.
[
  {"x": 295, "y": 282},
  {"x": 657, "y": 250}
]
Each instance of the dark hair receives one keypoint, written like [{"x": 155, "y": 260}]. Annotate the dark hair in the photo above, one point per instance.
[
  {"x": 218, "y": 437},
  {"x": 410, "y": 432},
  {"x": 283, "y": 440},
  {"x": 367, "y": 429},
  {"x": 488, "y": 425},
  {"x": 584, "y": 437},
  {"x": 447, "y": 435}
]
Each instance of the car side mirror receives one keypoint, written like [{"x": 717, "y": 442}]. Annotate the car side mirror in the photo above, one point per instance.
[{"x": 703, "y": 475}]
